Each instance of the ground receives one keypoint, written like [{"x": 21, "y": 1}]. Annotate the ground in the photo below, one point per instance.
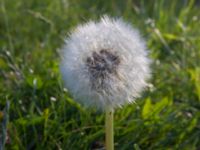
[{"x": 37, "y": 112}]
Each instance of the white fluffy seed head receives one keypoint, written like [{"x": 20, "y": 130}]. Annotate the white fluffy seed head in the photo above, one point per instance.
[{"x": 105, "y": 63}]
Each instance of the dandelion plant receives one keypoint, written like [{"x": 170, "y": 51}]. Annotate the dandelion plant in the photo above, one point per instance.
[{"x": 105, "y": 65}]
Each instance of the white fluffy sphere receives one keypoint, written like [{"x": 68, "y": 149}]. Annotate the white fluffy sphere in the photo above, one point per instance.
[{"x": 105, "y": 63}]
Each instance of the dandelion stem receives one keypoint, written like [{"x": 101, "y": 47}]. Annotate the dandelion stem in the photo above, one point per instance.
[{"x": 109, "y": 129}]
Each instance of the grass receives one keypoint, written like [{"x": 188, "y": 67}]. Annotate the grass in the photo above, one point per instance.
[{"x": 42, "y": 114}]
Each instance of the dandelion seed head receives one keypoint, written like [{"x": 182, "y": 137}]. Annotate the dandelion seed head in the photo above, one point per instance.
[{"x": 105, "y": 63}]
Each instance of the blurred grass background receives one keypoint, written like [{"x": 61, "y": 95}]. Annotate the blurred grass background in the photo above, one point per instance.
[{"x": 37, "y": 113}]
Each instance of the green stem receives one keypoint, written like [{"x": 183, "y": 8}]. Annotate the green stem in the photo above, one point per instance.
[{"x": 109, "y": 129}]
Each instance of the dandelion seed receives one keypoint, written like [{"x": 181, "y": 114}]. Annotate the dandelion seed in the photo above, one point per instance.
[
  {"x": 105, "y": 63},
  {"x": 53, "y": 99}
]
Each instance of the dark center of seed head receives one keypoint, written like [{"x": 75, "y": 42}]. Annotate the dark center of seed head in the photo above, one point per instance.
[{"x": 101, "y": 65}]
